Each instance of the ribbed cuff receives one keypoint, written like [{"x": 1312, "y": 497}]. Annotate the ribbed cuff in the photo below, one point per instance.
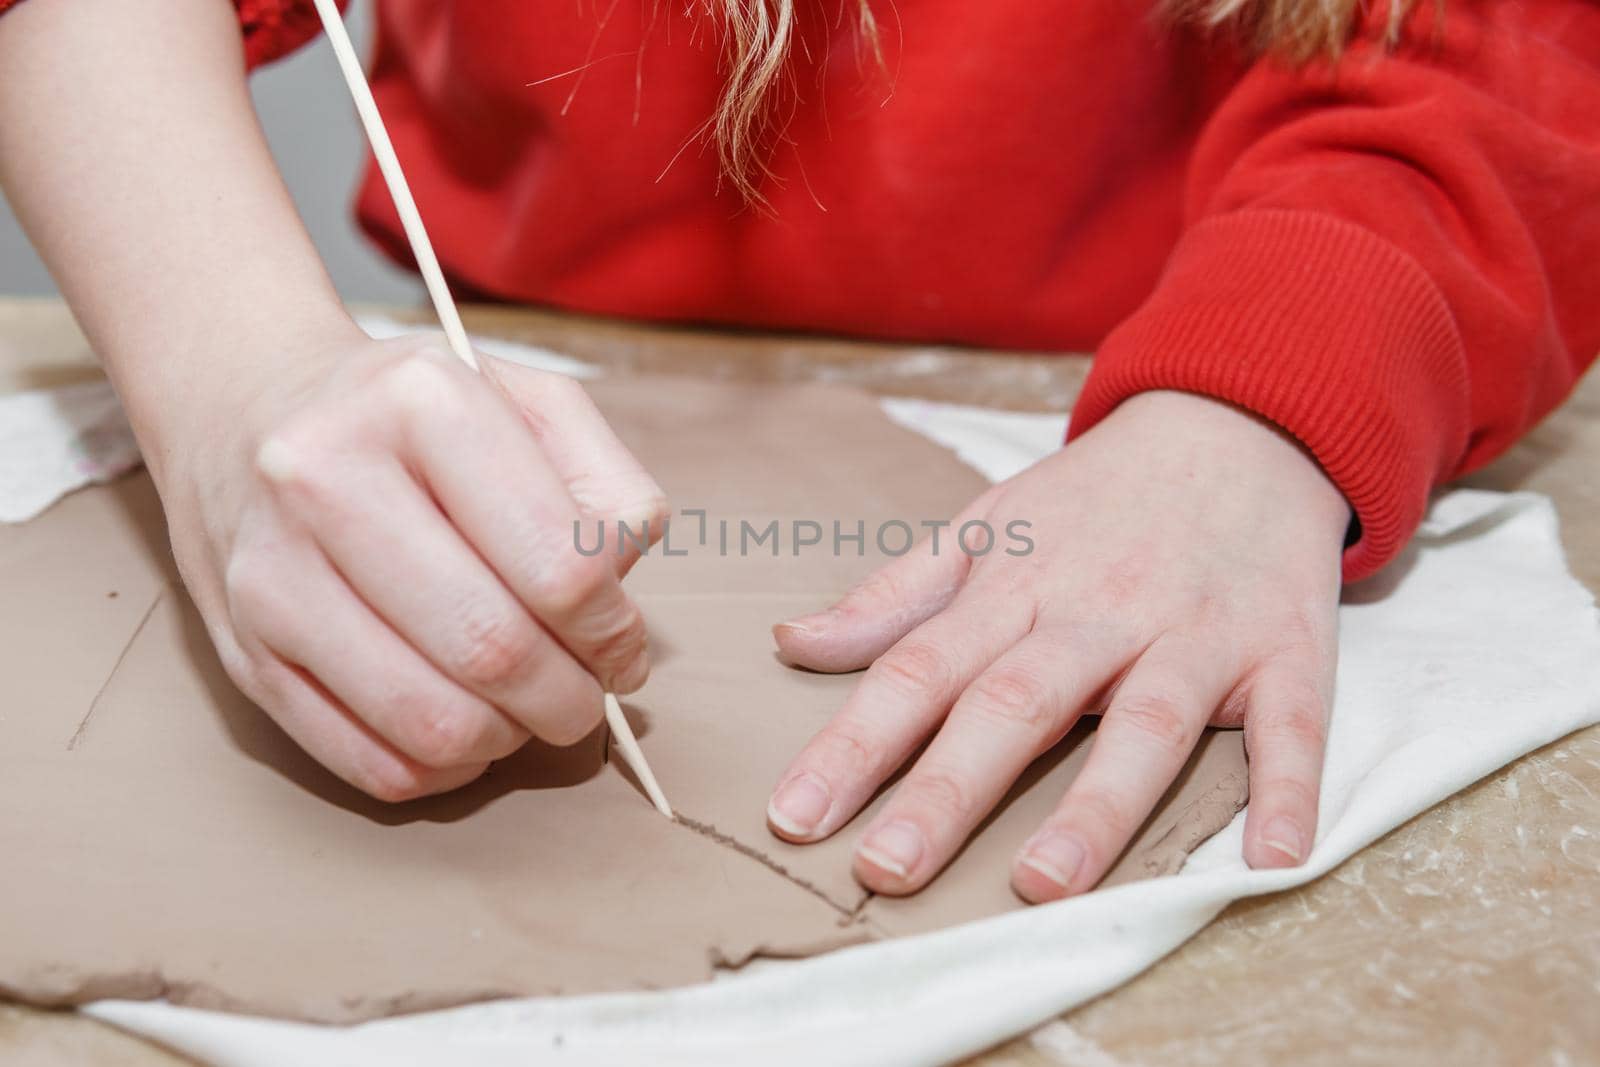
[{"x": 1326, "y": 330}]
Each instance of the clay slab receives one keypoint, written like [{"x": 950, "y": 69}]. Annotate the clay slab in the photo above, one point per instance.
[{"x": 160, "y": 837}]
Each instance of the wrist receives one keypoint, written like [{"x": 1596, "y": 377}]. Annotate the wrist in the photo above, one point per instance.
[
  {"x": 1200, "y": 432},
  {"x": 202, "y": 386}
]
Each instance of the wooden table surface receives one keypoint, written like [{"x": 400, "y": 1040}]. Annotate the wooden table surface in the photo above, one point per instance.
[{"x": 1469, "y": 935}]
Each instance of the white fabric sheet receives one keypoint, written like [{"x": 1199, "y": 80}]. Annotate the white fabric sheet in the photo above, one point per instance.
[
  {"x": 53, "y": 441},
  {"x": 1474, "y": 648}
]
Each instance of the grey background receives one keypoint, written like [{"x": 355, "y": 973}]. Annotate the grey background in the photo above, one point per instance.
[{"x": 305, "y": 109}]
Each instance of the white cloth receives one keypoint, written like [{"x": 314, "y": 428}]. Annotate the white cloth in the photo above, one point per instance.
[
  {"x": 997, "y": 444},
  {"x": 1474, "y": 648},
  {"x": 382, "y": 328},
  {"x": 53, "y": 441}
]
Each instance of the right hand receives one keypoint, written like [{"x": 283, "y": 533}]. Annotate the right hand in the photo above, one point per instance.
[{"x": 381, "y": 544}]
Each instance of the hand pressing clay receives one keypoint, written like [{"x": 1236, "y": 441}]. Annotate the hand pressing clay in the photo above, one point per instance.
[{"x": 163, "y": 838}]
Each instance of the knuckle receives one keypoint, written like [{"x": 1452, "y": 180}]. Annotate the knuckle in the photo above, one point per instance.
[
  {"x": 253, "y": 674},
  {"x": 1210, "y": 613},
  {"x": 651, "y": 502},
  {"x": 875, "y": 592},
  {"x": 1160, "y": 720},
  {"x": 1101, "y": 816},
  {"x": 564, "y": 390},
  {"x": 540, "y": 393},
  {"x": 238, "y": 666},
  {"x": 842, "y": 748},
  {"x": 286, "y": 456},
  {"x": 1302, "y": 725},
  {"x": 1012, "y": 695},
  {"x": 569, "y": 725},
  {"x": 447, "y": 735},
  {"x": 248, "y": 585},
  {"x": 266, "y": 681},
  {"x": 278, "y": 458},
  {"x": 1125, "y": 578},
  {"x": 603, "y": 496},
  {"x": 620, "y": 641},
  {"x": 298, "y": 465},
  {"x": 536, "y": 385},
  {"x": 913, "y": 668},
  {"x": 420, "y": 381},
  {"x": 391, "y": 783},
  {"x": 1299, "y": 795},
  {"x": 565, "y": 589},
  {"x": 493, "y": 652},
  {"x": 1299, "y": 629},
  {"x": 942, "y": 791}
]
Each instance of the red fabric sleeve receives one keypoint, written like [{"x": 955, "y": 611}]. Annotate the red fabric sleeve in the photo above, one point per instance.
[
  {"x": 1396, "y": 259},
  {"x": 272, "y": 28}
]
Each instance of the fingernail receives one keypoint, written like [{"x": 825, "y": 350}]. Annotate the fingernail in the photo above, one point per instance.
[
  {"x": 895, "y": 848},
  {"x": 805, "y": 625},
  {"x": 1055, "y": 856},
  {"x": 799, "y": 807},
  {"x": 1282, "y": 835}
]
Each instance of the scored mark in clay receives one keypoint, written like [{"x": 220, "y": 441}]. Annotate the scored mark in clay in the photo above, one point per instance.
[{"x": 144, "y": 620}]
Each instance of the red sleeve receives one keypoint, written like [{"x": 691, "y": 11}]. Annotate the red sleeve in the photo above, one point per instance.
[
  {"x": 1396, "y": 259},
  {"x": 272, "y": 28}
]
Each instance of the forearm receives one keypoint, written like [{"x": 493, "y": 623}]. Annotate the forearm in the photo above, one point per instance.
[{"x": 131, "y": 153}]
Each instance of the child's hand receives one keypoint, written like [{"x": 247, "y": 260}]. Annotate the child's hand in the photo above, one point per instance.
[
  {"x": 1186, "y": 571},
  {"x": 381, "y": 543}
]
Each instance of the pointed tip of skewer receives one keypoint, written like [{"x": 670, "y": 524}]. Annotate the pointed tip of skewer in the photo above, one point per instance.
[{"x": 633, "y": 756}]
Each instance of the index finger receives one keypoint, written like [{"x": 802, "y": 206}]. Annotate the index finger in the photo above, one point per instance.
[
  {"x": 497, "y": 486},
  {"x": 604, "y": 478},
  {"x": 900, "y": 700}
]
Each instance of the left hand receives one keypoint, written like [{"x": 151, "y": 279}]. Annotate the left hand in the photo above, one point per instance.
[{"x": 1186, "y": 571}]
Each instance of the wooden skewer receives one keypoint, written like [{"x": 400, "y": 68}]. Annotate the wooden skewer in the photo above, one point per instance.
[
  {"x": 445, "y": 307},
  {"x": 629, "y": 746},
  {"x": 395, "y": 179}
]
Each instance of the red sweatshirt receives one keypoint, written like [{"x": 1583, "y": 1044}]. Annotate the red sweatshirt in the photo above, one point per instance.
[{"x": 1396, "y": 259}]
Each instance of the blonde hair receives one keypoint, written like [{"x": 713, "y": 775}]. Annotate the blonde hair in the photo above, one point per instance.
[
  {"x": 1297, "y": 30},
  {"x": 758, "y": 35}
]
